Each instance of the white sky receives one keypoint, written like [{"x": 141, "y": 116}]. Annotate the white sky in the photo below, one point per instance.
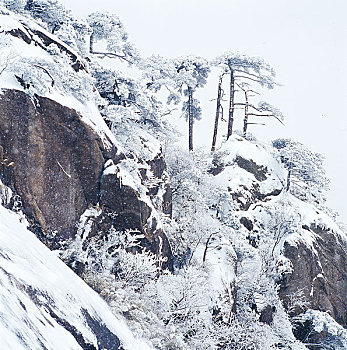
[{"x": 304, "y": 40}]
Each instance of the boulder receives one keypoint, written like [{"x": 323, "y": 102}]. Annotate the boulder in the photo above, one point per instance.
[{"x": 57, "y": 160}]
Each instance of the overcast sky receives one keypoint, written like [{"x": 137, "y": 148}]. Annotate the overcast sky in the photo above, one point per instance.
[{"x": 304, "y": 40}]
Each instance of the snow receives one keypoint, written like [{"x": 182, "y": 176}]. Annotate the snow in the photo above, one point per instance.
[
  {"x": 90, "y": 115},
  {"x": 323, "y": 322},
  {"x": 259, "y": 152},
  {"x": 8, "y": 23},
  {"x": 309, "y": 215},
  {"x": 85, "y": 226},
  {"x": 32, "y": 281},
  {"x": 220, "y": 264}
]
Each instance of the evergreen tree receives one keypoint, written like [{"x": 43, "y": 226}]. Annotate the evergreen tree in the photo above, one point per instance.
[
  {"x": 218, "y": 111},
  {"x": 15, "y": 5},
  {"x": 108, "y": 27},
  {"x": 263, "y": 109},
  {"x": 50, "y": 12},
  {"x": 306, "y": 177},
  {"x": 243, "y": 68},
  {"x": 192, "y": 73}
]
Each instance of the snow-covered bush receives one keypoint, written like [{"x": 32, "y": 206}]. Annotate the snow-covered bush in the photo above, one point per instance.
[
  {"x": 120, "y": 90},
  {"x": 50, "y": 12},
  {"x": 42, "y": 76},
  {"x": 14, "y": 5}
]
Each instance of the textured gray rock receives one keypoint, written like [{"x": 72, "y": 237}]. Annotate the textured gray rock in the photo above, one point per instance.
[
  {"x": 57, "y": 160},
  {"x": 319, "y": 273},
  {"x": 259, "y": 171},
  {"x": 57, "y": 169}
]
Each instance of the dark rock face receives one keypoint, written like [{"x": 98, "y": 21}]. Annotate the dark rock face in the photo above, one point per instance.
[
  {"x": 132, "y": 213},
  {"x": 304, "y": 331},
  {"x": 248, "y": 196},
  {"x": 43, "y": 41},
  {"x": 321, "y": 274},
  {"x": 245, "y": 196},
  {"x": 247, "y": 223},
  {"x": 105, "y": 338},
  {"x": 158, "y": 167},
  {"x": 57, "y": 160},
  {"x": 249, "y": 165},
  {"x": 267, "y": 315},
  {"x": 57, "y": 165},
  {"x": 259, "y": 171}
]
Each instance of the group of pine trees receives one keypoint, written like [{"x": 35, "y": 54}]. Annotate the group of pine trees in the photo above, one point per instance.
[
  {"x": 180, "y": 77},
  {"x": 183, "y": 76}
]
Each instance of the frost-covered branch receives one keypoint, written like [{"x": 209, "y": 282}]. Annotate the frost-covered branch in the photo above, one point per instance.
[{"x": 111, "y": 54}]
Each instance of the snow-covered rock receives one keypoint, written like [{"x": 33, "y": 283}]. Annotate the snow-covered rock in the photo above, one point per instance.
[
  {"x": 292, "y": 242},
  {"x": 57, "y": 143},
  {"x": 252, "y": 263}
]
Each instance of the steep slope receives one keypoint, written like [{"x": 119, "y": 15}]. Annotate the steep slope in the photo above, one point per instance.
[{"x": 44, "y": 304}]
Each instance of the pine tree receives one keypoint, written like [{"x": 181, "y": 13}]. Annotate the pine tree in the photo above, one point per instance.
[
  {"x": 108, "y": 27},
  {"x": 50, "y": 12},
  {"x": 192, "y": 73},
  {"x": 242, "y": 68}
]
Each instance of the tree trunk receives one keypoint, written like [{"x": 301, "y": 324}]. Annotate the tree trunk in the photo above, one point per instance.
[
  {"x": 231, "y": 104},
  {"x": 190, "y": 117},
  {"x": 288, "y": 178},
  {"x": 219, "y": 97},
  {"x": 245, "y": 120},
  {"x": 234, "y": 293},
  {"x": 91, "y": 41}
]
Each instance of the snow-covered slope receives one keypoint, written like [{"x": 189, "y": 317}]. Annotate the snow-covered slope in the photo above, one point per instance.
[{"x": 43, "y": 304}]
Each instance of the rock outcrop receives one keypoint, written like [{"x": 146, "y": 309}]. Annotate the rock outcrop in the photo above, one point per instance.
[
  {"x": 57, "y": 160},
  {"x": 319, "y": 274},
  {"x": 55, "y": 163}
]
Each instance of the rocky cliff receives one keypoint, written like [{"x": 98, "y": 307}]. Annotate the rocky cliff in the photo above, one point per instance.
[
  {"x": 55, "y": 163},
  {"x": 301, "y": 247},
  {"x": 57, "y": 160}
]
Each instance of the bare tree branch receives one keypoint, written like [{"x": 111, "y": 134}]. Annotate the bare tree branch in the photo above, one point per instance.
[
  {"x": 169, "y": 111},
  {"x": 46, "y": 71},
  {"x": 256, "y": 80},
  {"x": 266, "y": 115}
]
